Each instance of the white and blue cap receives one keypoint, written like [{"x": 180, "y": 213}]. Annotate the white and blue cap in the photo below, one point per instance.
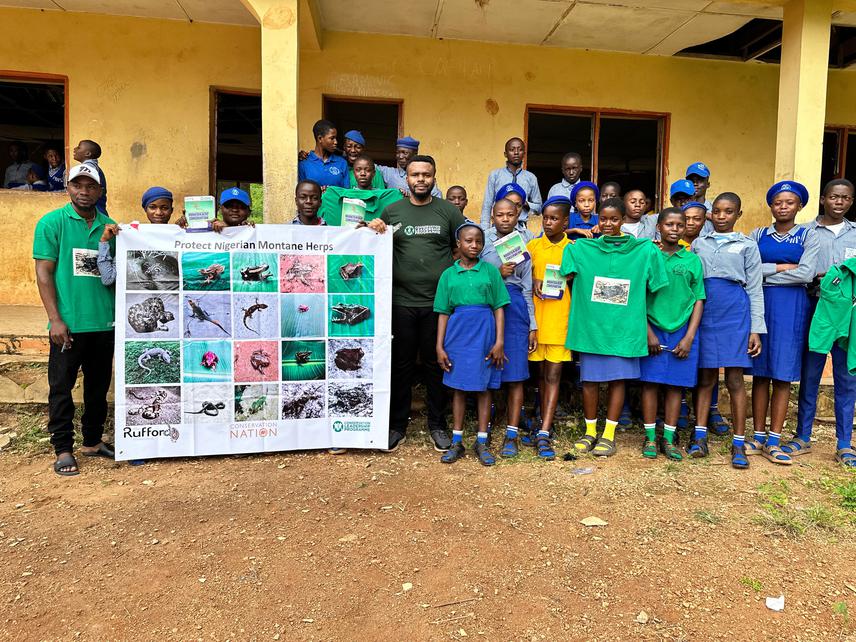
[
  {"x": 788, "y": 186},
  {"x": 698, "y": 169},
  {"x": 234, "y": 194},
  {"x": 84, "y": 169},
  {"x": 682, "y": 186}
]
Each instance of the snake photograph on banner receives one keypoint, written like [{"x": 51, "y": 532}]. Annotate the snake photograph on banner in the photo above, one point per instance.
[{"x": 258, "y": 339}]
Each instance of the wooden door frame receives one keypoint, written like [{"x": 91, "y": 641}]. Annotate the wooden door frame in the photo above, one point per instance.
[{"x": 212, "y": 128}]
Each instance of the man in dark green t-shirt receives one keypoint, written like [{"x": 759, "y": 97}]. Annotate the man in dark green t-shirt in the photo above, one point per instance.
[
  {"x": 80, "y": 314},
  {"x": 423, "y": 228}
]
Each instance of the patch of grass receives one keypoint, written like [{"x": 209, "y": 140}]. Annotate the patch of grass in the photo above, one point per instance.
[
  {"x": 31, "y": 429},
  {"x": 671, "y": 468},
  {"x": 840, "y": 609},
  {"x": 707, "y": 517},
  {"x": 777, "y": 512},
  {"x": 846, "y": 490},
  {"x": 774, "y": 494},
  {"x": 752, "y": 583}
]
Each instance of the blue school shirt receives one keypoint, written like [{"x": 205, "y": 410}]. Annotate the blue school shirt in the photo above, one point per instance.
[
  {"x": 576, "y": 221},
  {"x": 834, "y": 249},
  {"x": 56, "y": 178},
  {"x": 645, "y": 229},
  {"x": 798, "y": 246},
  {"x": 396, "y": 178},
  {"x": 522, "y": 275},
  {"x": 333, "y": 171},
  {"x": 735, "y": 259},
  {"x": 503, "y": 176}
]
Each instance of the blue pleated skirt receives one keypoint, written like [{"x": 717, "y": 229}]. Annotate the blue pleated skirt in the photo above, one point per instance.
[
  {"x": 470, "y": 334},
  {"x": 666, "y": 368},
  {"x": 787, "y": 313},
  {"x": 516, "y": 337},
  {"x": 601, "y": 367},
  {"x": 724, "y": 332}
]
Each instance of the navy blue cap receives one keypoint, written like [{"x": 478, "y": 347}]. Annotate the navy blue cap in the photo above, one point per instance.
[
  {"x": 153, "y": 194},
  {"x": 682, "y": 186},
  {"x": 356, "y": 136},
  {"x": 467, "y": 223},
  {"x": 235, "y": 194},
  {"x": 698, "y": 169},
  {"x": 788, "y": 186},
  {"x": 408, "y": 143},
  {"x": 693, "y": 204},
  {"x": 584, "y": 185},
  {"x": 506, "y": 189},
  {"x": 558, "y": 199}
]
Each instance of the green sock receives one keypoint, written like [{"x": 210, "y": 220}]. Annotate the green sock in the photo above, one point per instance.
[
  {"x": 591, "y": 427},
  {"x": 651, "y": 432},
  {"x": 669, "y": 433}
]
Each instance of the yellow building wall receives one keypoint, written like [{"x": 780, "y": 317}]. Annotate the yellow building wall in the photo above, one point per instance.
[
  {"x": 841, "y": 97},
  {"x": 141, "y": 88}
]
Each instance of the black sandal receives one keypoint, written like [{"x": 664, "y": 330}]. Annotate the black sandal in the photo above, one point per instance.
[
  {"x": 66, "y": 460},
  {"x": 104, "y": 450}
]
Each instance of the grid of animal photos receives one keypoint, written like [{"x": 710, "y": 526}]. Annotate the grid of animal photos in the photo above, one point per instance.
[{"x": 246, "y": 337}]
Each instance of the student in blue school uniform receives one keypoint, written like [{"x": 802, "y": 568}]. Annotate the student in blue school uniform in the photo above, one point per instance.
[
  {"x": 470, "y": 336},
  {"x": 732, "y": 321},
  {"x": 56, "y": 169},
  {"x": 323, "y": 164},
  {"x": 637, "y": 223},
  {"x": 674, "y": 315},
  {"x": 512, "y": 172},
  {"x": 583, "y": 221},
  {"x": 520, "y": 327},
  {"x": 788, "y": 261},
  {"x": 836, "y": 238},
  {"x": 517, "y": 195}
]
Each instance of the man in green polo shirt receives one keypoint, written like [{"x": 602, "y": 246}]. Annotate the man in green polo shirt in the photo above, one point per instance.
[
  {"x": 423, "y": 228},
  {"x": 80, "y": 314}
]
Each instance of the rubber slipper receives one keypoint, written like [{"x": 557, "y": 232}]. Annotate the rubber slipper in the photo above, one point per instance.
[
  {"x": 846, "y": 457},
  {"x": 698, "y": 449},
  {"x": 545, "y": 448},
  {"x": 585, "y": 443},
  {"x": 796, "y": 447},
  {"x": 486, "y": 458},
  {"x": 649, "y": 449},
  {"x": 776, "y": 455},
  {"x": 509, "y": 448},
  {"x": 671, "y": 451},
  {"x": 604, "y": 448},
  {"x": 754, "y": 447},
  {"x": 718, "y": 425},
  {"x": 453, "y": 454},
  {"x": 64, "y": 460},
  {"x": 104, "y": 450}
]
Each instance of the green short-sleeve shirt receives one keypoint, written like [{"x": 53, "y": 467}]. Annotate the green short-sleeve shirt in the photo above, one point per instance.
[
  {"x": 482, "y": 284},
  {"x": 64, "y": 237},
  {"x": 669, "y": 308},
  {"x": 422, "y": 240},
  {"x": 612, "y": 275}
]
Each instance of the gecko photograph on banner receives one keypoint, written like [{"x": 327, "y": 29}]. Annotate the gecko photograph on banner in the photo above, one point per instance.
[{"x": 259, "y": 339}]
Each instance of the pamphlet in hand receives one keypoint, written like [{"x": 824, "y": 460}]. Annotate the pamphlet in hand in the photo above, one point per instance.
[
  {"x": 199, "y": 211},
  {"x": 512, "y": 248},
  {"x": 353, "y": 211},
  {"x": 553, "y": 286}
]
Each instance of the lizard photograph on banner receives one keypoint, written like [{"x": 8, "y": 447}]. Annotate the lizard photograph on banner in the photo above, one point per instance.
[{"x": 258, "y": 339}]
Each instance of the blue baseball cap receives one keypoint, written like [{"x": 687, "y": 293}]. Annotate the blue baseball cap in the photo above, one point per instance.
[
  {"x": 153, "y": 194},
  {"x": 682, "y": 186},
  {"x": 408, "y": 143},
  {"x": 235, "y": 194},
  {"x": 698, "y": 169},
  {"x": 356, "y": 136},
  {"x": 558, "y": 199},
  {"x": 584, "y": 185},
  {"x": 788, "y": 186},
  {"x": 692, "y": 204}
]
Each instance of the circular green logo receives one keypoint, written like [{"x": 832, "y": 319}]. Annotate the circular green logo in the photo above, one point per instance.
[
  {"x": 409, "y": 230},
  {"x": 338, "y": 426}
]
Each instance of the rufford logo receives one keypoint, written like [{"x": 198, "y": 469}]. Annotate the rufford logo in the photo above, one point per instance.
[
  {"x": 352, "y": 426},
  {"x": 150, "y": 432}
]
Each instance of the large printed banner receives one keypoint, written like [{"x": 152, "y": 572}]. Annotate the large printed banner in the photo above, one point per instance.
[{"x": 257, "y": 339}]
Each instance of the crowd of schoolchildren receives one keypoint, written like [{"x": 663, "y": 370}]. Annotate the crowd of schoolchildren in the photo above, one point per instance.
[{"x": 608, "y": 293}]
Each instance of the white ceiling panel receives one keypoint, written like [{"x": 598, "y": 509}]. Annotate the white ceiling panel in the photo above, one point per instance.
[
  {"x": 613, "y": 28},
  {"x": 30, "y": 4},
  {"x": 751, "y": 9},
  {"x": 519, "y": 21},
  {"x": 379, "y": 16},
  {"x": 140, "y": 8},
  {"x": 230, "y": 12},
  {"x": 680, "y": 5},
  {"x": 702, "y": 28}
]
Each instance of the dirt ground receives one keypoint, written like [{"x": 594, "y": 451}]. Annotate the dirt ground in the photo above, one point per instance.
[{"x": 370, "y": 546}]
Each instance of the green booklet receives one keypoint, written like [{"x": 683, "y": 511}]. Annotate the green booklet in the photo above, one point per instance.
[
  {"x": 553, "y": 286},
  {"x": 353, "y": 211},
  {"x": 512, "y": 248},
  {"x": 199, "y": 211}
]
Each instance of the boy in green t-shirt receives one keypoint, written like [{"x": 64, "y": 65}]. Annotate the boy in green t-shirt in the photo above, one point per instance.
[
  {"x": 674, "y": 314},
  {"x": 80, "y": 314}
]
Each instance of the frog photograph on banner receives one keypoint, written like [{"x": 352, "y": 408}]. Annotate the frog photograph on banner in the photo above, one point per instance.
[{"x": 269, "y": 338}]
